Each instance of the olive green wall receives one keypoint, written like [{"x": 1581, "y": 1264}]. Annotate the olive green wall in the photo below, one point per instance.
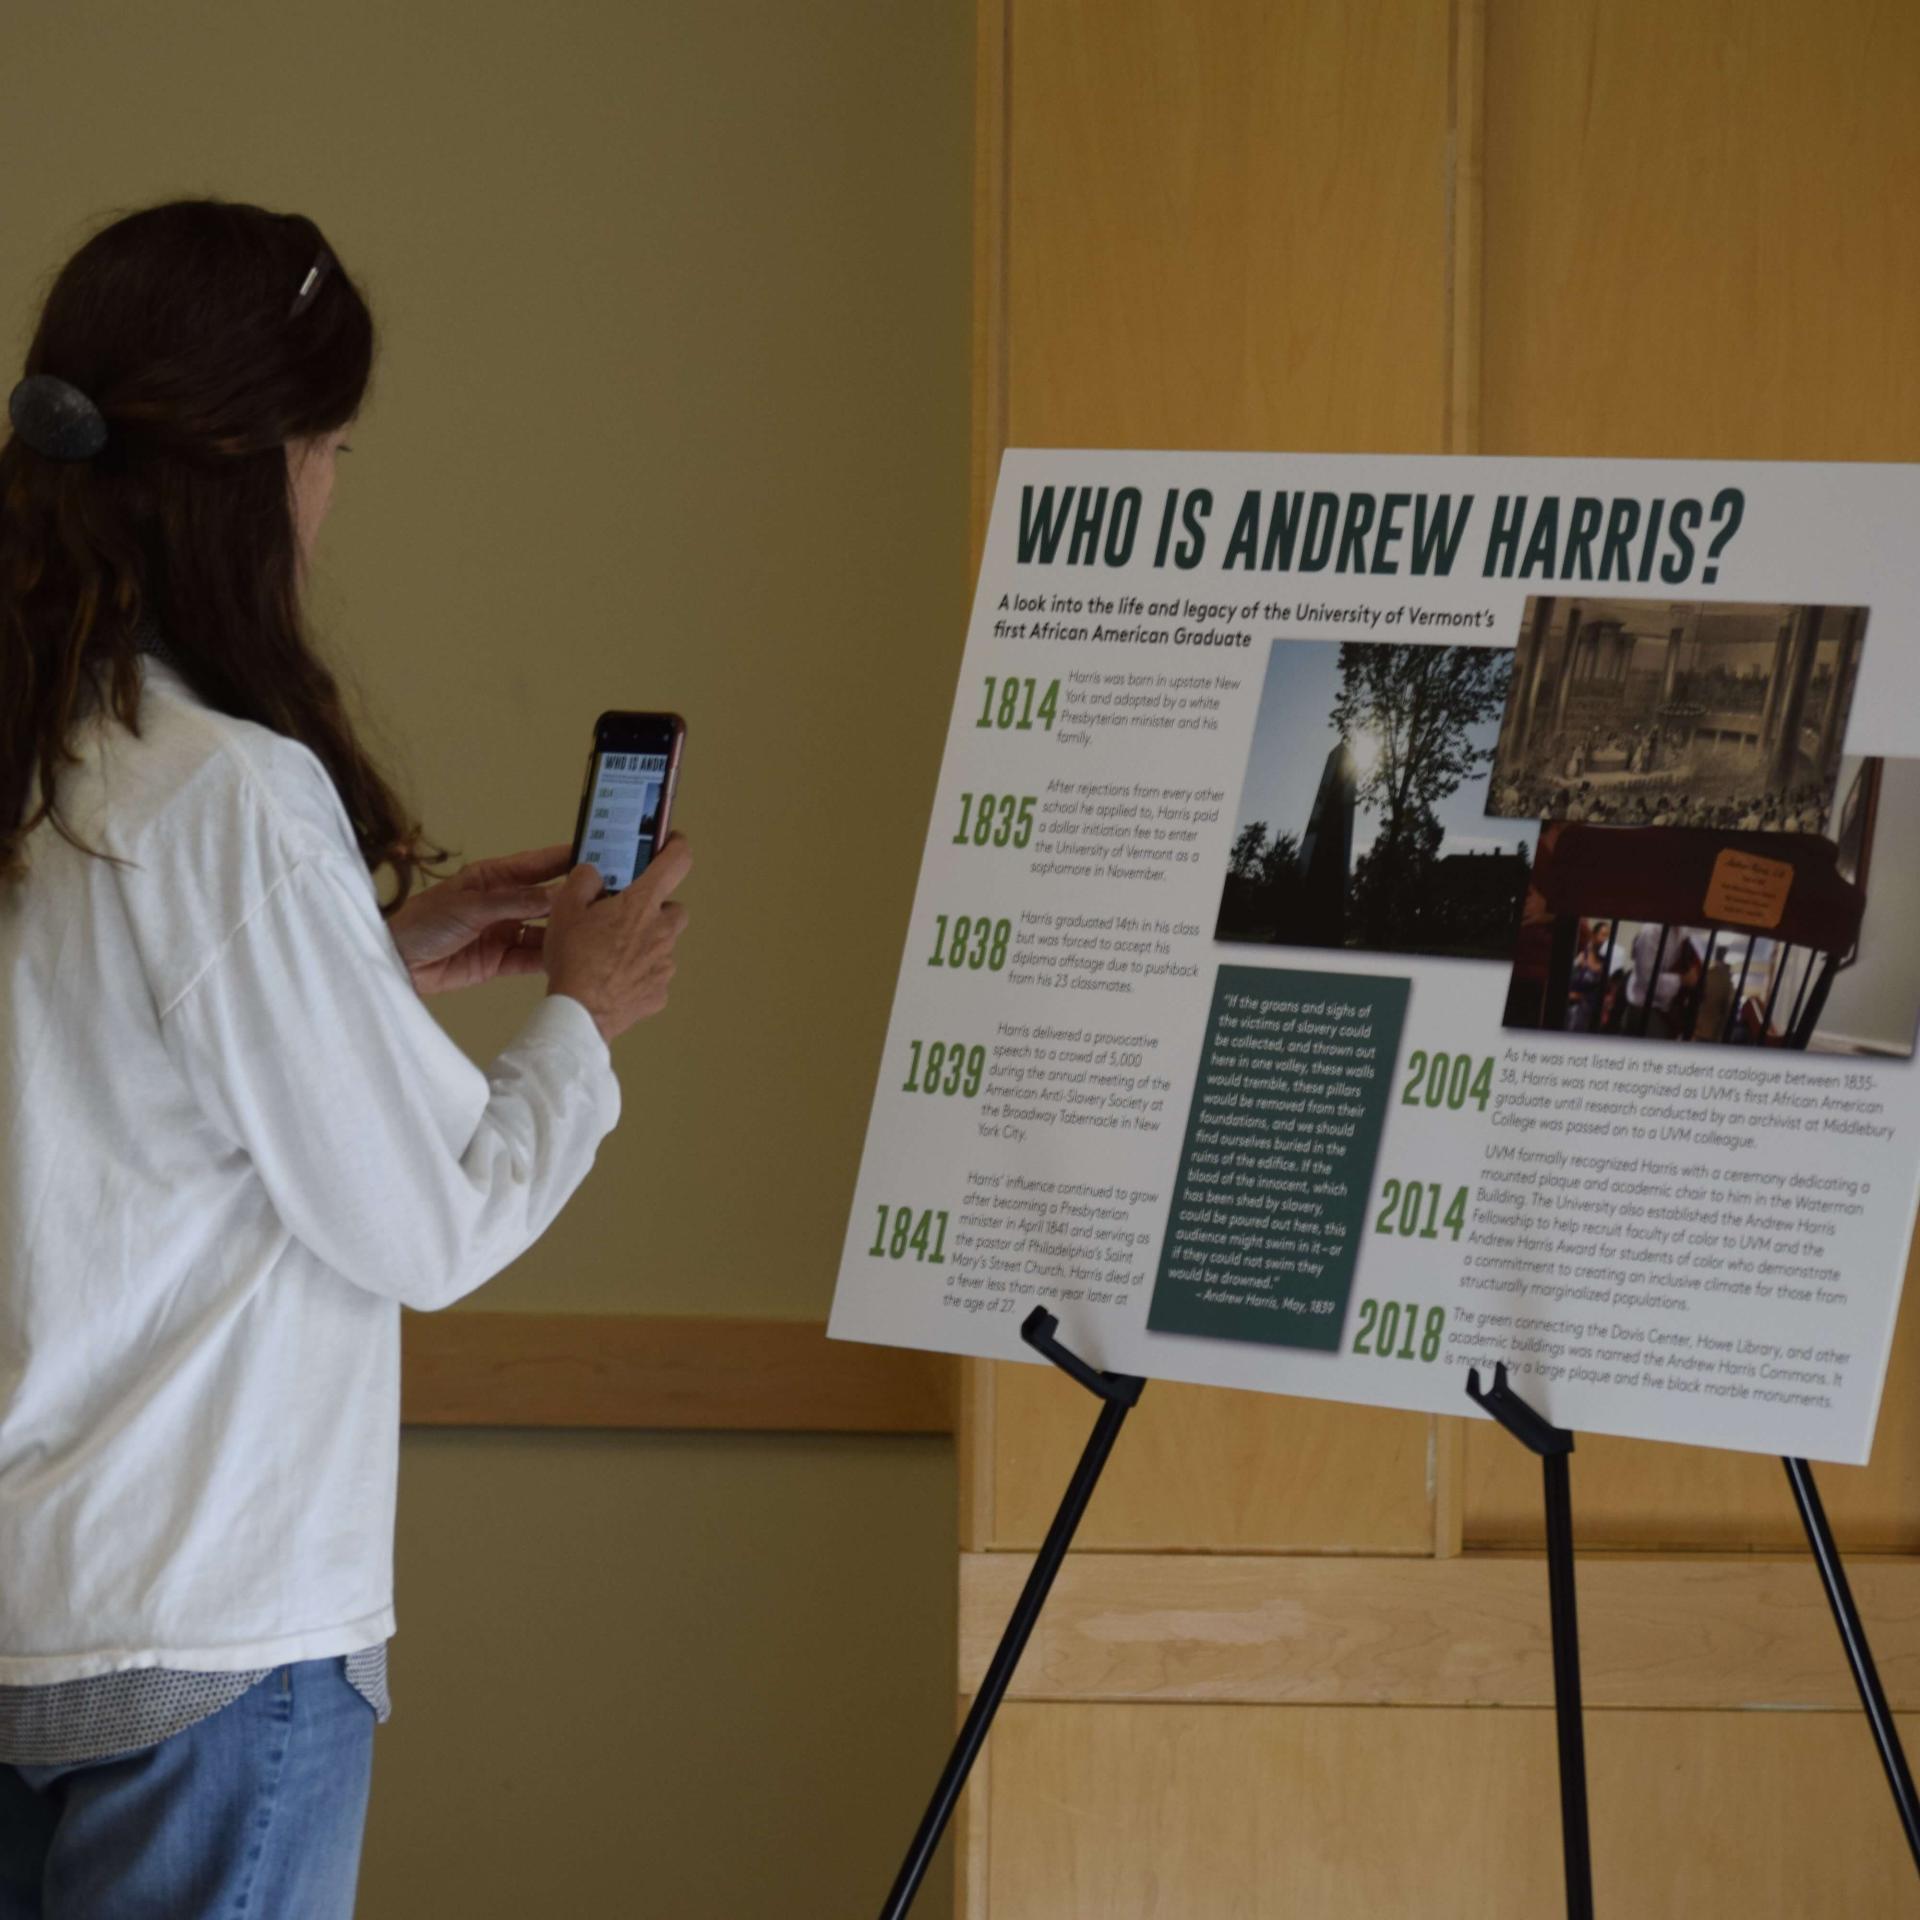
[
  {"x": 672, "y": 1679},
  {"x": 671, "y": 411}
]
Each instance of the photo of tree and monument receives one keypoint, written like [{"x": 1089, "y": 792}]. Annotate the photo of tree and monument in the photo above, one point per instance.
[
  {"x": 1670, "y": 713},
  {"x": 1362, "y": 818}
]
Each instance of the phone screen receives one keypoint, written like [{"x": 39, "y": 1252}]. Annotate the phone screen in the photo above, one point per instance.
[{"x": 622, "y": 818}]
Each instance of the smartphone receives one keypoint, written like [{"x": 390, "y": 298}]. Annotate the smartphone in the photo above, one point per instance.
[{"x": 627, "y": 794}]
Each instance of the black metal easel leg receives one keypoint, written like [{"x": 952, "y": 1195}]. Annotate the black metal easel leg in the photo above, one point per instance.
[
  {"x": 1576, "y": 1843},
  {"x": 1118, "y": 1393},
  {"x": 1554, "y": 1445},
  {"x": 1853, "y": 1637}
]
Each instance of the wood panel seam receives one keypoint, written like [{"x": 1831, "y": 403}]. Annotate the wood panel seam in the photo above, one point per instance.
[
  {"x": 664, "y": 1373},
  {"x": 1716, "y": 1633},
  {"x": 1465, "y": 209}
]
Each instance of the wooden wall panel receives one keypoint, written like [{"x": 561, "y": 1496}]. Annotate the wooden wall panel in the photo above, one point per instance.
[
  {"x": 1719, "y": 1631},
  {"x": 1272, "y": 1813},
  {"x": 1234, "y": 1472},
  {"x": 1699, "y": 228},
  {"x": 1226, "y": 226}
]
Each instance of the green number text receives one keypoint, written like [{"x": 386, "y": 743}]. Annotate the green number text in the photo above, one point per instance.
[
  {"x": 1016, "y": 707},
  {"x": 972, "y": 941},
  {"x": 1392, "y": 1330},
  {"x": 1447, "y": 1080},
  {"x": 901, "y": 1232},
  {"x": 995, "y": 820},
  {"x": 1412, "y": 1208},
  {"x": 945, "y": 1066}
]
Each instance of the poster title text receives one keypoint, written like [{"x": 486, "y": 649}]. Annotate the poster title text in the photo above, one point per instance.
[{"x": 1585, "y": 537}]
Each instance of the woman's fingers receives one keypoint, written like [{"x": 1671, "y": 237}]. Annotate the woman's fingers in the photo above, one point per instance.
[
  {"x": 538, "y": 863},
  {"x": 517, "y": 959},
  {"x": 665, "y": 871},
  {"x": 522, "y": 903},
  {"x": 618, "y": 960},
  {"x": 576, "y": 892},
  {"x": 482, "y": 909}
]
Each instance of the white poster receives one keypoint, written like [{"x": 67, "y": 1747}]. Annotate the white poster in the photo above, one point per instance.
[{"x": 1386, "y": 915}]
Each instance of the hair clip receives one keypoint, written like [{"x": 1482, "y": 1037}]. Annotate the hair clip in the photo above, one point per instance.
[
  {"x": 316, "y": 276},
  {"x": 56, "y": 419}
]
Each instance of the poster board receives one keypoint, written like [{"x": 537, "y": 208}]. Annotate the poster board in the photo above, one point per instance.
[{"x": 1382, "y": 915}]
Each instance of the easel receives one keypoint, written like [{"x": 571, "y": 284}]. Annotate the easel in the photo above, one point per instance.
[
  {"x": 1119, "y": 1393},
  {"x": 1554, "y": 1445}
]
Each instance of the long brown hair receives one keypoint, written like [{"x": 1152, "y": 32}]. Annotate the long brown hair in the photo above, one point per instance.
[{"x": 176, "y": 321}]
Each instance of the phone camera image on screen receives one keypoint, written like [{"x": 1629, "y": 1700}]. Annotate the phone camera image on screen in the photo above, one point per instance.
[{"x": 623, "y": 815}]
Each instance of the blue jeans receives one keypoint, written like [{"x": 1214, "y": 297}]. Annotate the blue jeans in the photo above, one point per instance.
[{"x": 254, "y": 1813}]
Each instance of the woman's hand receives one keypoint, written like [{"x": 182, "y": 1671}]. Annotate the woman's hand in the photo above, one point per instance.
[
  {"x": 472, "y": 927},
  {"x": 614, "y": 954}
]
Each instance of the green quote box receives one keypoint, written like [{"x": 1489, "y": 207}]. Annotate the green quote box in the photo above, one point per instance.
[{"x": 1277, "y": 1165}]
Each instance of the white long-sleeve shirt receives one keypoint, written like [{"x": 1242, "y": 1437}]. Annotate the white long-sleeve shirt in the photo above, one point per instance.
[{"x": 233, "y": 1142}]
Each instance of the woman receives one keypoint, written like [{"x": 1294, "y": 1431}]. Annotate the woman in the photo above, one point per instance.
[{"x": 233, "y": 1142}]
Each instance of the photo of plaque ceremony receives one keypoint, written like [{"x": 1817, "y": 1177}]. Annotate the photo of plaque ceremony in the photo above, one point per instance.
[
  {"x": 1640, "y": 933},
  {"x": 1705, "y": 871}
]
